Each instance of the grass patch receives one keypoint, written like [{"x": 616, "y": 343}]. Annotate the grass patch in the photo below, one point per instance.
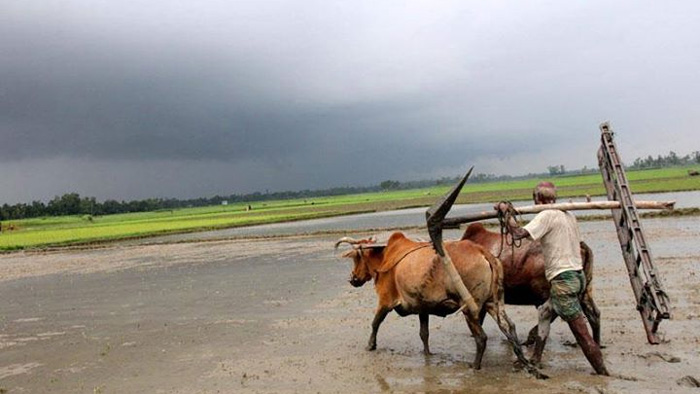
[{"x": 71, "y": 230}]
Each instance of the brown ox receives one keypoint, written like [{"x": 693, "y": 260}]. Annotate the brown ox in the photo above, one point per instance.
[
  {"x": 525, "y": 283},
  {"x": 410, "y": 279}
]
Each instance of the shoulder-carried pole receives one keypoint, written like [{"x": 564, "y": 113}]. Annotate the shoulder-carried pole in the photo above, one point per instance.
[{"x": 565, "y": 206}]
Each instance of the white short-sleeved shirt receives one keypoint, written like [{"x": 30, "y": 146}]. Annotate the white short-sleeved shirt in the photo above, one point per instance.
[{"x": 558, "y": 233}]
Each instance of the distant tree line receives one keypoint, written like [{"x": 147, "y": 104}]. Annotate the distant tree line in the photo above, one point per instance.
[
  {"x": 74, "y": 204},
  {"x": 672, "y": 159},
  {"x": 556, "y": 170}
]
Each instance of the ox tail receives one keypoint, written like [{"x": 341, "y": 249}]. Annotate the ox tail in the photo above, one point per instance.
[
  {"x": 587, "y": 258},
  {"x": 497, "y": 290}
]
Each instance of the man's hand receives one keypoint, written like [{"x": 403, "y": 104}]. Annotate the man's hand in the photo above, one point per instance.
[
  {"x": 517, "y": 232},
  {"x": 501, "y": 207}
]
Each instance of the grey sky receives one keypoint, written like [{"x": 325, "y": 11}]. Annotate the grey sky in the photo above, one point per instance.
[{"x": 132, "y": 99}]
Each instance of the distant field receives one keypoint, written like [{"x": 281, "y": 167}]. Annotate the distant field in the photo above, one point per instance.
[{"x": 65, "y": 230}]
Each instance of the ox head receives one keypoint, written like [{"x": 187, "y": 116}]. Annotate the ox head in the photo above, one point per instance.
[{"x": 362, "y": 253}]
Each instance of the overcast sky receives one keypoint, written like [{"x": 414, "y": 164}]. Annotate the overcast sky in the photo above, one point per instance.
[{"x": 135, "y": 99}]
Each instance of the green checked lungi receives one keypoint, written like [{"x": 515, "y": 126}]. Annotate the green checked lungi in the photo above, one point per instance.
[{"x": 566, "y": 292}]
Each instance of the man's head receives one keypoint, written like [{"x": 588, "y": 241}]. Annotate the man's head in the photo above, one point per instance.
[{"x": 545, "y": 193}]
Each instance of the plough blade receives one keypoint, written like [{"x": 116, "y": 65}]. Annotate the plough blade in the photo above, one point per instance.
[{"x": 436, "y": 214}]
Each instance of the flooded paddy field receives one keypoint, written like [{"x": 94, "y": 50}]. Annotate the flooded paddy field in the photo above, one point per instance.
[{"x": 277, "y": 315}]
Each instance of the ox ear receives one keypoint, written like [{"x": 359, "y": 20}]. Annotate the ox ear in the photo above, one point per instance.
[{"x": 350, "y": 253}]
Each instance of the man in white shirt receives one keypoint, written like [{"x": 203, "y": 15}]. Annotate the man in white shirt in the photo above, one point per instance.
[{"x": 558, "y": 233}]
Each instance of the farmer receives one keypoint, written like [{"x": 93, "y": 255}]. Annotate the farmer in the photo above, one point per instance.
[{"x": 559, "y": 234}]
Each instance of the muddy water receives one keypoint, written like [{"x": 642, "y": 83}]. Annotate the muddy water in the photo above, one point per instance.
[{"x": 278, "y": 316}]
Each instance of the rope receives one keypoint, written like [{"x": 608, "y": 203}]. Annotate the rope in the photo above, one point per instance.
[{"x": 503, "y": 219}]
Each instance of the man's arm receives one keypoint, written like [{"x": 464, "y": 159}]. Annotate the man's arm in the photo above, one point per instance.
[{"x": 515, "y": 230}]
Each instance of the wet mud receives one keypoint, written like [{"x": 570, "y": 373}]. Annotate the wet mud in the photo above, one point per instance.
[{"x": 278, "y": 315}]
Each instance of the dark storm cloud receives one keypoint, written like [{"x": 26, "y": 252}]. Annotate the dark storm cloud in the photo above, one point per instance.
[
  {"x": 130, "y": 105},
  {"x": 226, "y": 97}
]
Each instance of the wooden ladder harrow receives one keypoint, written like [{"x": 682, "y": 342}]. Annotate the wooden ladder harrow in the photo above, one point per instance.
[{"x": 652, "y": 300}]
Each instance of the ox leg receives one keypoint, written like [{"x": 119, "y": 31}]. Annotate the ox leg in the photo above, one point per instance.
[
  {"x": 508, "y": 329},
  {"x": 480, "y": 338},
  {"x": 379, "y": 316},
  {"x": 482, "y": 316},
  {"x": 424, "y": 332},
  {"x": 546, "y": 316},
  {"x": 590, "y": 309}
]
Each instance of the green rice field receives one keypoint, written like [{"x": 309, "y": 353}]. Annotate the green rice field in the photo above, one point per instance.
[{"x": 72, "y": 230}]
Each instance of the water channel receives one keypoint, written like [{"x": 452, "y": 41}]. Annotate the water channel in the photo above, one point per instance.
[{"x": 404, "y": 218}]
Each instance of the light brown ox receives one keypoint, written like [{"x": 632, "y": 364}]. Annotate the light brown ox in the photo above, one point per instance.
[
  {"x": 410, "y": 279},
  {"x": 525, "y": 283}
]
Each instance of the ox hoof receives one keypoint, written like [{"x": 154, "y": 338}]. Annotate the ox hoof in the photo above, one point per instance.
[
  {"x": 537, "y": 363},
  {"x": 370, "y": 348}
]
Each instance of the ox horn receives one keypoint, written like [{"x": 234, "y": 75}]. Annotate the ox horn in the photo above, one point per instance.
[
  {"x": 348, "y": 240},
  {"x": 369, "y": 241}
]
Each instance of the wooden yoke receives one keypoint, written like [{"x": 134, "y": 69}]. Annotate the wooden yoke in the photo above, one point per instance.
[{"x": 434, "y": 218}]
